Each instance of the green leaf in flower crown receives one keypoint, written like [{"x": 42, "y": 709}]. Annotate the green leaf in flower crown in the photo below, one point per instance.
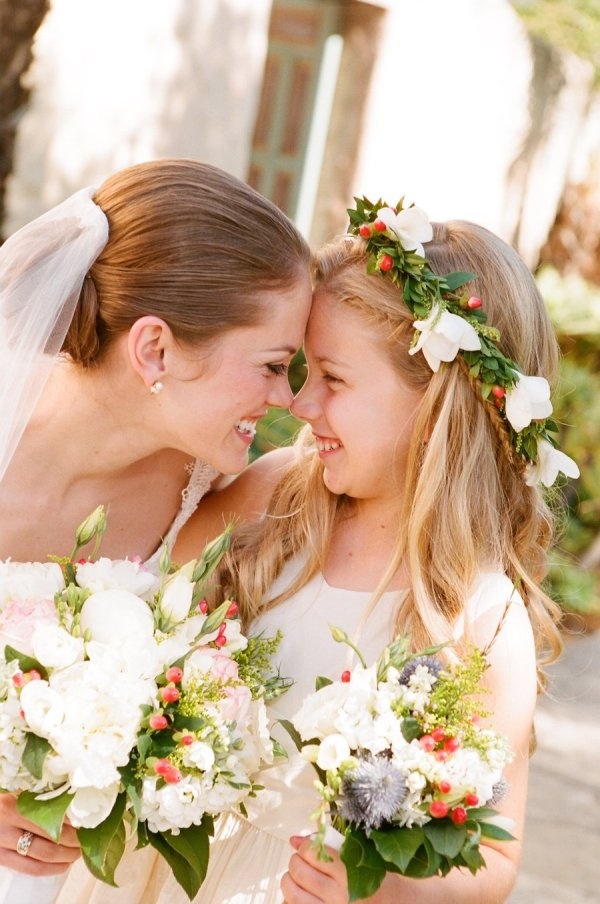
[
  {"x": 26, "y": 663},
  {"x": 36, "y": 751},
  {"x": 48, "y": 814},
  {"x": 321, "y": 681},
  {"x": 186, "y": 853},
  {"x": 453, "y": 281},
  {"x": 398, "y": 846},
  {"x": 364, "y": 867},
  {"x": 103, "y": 846},
  {"x": 446, "y": 837}
]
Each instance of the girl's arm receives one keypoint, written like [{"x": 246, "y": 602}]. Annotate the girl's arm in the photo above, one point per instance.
[{"x": 512, "y": 681}]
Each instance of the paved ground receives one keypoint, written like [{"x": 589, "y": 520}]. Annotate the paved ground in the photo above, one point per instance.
[{"x": 561, "y": 859}]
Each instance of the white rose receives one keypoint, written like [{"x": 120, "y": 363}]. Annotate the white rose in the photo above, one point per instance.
[
  {"x": 43, "y": 708},
  {"x": 527, "y": 401},
  {"x": 91, "y": 806},
  {"x": 549, "y": 462},
  {"x": 333, "y": 751},
  {"x": 200, "y": 755},
  {"x": 442, "y": 335},
  {"x": 54, "y": 647},
  {"x": 411, "y": 227},
  {"x": 114, "y": 615},
  {"x": 117, "y": 574}
]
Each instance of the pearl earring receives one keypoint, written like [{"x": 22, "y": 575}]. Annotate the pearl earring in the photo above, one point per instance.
[{"x": 156, "y": 387}]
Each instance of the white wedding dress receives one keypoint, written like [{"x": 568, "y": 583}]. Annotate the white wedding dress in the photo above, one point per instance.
[{"x": 249, "y": 856}]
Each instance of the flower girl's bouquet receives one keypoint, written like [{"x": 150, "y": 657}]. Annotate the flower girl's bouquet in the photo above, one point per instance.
[
  {"x": 406, "y": 772},
  {"x": 126, "y": 707}
]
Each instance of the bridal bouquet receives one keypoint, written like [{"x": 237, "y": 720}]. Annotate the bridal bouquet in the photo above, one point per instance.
[
  {"x": 406, "y": 772},
  {"x": 126, "y": 707}
]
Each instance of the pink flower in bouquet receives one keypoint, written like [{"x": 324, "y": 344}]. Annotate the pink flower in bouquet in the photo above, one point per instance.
[
  {"x": 236, "y": 705},
  {"x": 20, "y": 617}
]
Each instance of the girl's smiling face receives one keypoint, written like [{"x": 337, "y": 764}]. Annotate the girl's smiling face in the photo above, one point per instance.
[{"x": 360, "y": 410}]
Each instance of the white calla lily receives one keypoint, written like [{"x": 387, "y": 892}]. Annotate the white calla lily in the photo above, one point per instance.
[
  {"x": 442, "y": 335},
  {"x": 550, "y": 463},
  {"x": 527, "y": 401},
  {"x": 411, "y": 227}
]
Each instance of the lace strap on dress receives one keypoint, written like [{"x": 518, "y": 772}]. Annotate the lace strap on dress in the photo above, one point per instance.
[{"x": 201, "y": 477}]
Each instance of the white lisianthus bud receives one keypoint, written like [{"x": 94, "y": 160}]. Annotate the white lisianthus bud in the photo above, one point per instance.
[
  {"x": 91, "y": 526},
  {"x": 176, "y": 598},
  {"x": 333, "y": 750}
]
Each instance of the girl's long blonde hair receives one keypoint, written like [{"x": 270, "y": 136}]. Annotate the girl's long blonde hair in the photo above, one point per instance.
[{"x": 466, "y": 506}]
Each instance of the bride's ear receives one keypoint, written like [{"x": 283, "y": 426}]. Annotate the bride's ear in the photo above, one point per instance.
[{"x": 147, "y": 341}]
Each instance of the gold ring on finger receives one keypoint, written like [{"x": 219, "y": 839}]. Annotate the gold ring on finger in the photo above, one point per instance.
[{"x": 24, "y": 843}]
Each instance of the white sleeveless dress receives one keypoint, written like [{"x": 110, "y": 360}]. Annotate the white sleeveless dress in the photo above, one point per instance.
[
  {"x": 201, "y": 476},
  {"x": 249, "y": 856}
]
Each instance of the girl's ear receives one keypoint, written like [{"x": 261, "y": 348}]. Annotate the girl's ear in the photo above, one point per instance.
[{"x": 147, "y": 341}]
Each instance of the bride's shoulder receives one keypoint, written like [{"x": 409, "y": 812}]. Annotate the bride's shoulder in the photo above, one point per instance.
[{"x": 240, "y": 498}]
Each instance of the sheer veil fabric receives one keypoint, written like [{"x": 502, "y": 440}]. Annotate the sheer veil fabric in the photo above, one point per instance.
[{"x": 42, "y": 268}]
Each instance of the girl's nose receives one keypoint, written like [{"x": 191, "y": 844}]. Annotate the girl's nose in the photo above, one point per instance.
[
  {"x": 305, "y": 405},
  {"x": 280, "y": 394}
]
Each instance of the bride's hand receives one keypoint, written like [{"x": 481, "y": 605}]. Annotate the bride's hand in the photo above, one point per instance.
[
  {"x": 310, "y": 880},
  {"x": 41, "y": 856}
]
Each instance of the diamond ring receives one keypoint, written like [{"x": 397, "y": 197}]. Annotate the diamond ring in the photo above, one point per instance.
[{"x": 24, "y": 843}]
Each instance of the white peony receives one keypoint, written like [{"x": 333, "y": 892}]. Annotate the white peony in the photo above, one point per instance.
[
  {"x": 411, "y": 227},
  {"x": 527, "y": 401},
  {"x": 54, "y": 647},
  {"x": 200, "y": 755},
  {"x": 29, "y": 581},
  {"x": 173, "y": 807},
  {"x": 121, "y": 574},
  {"x": 91, "y": 806},
  {"x": 550, "y": 462},
  {"x": 442, "y": 335},
  {"x": 114, "y": 615}
]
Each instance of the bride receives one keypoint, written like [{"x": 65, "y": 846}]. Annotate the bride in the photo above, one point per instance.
[{"x": 145, "y": 327}]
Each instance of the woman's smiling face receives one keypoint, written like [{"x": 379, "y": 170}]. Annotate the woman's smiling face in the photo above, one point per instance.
[{"x": 360, "y": 410}]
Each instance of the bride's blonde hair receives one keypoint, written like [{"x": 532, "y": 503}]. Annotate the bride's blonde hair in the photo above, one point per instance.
[{"x": 466, "y": 506}]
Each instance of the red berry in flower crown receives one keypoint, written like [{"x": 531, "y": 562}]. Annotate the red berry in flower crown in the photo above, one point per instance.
[
  {"x": 498, "y": 392},
  {"x": 386, "y": 263},
  {"x": 365, "y": 230},
  {"x": 379, "y": 226},
  {"x": 345, "y": 676},
  {"x": 473, "y": 303}
]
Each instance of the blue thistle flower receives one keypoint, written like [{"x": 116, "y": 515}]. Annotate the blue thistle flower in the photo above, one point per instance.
[
  {"x": 372, "y": 793},
  {"x": 431, "y": 664}
]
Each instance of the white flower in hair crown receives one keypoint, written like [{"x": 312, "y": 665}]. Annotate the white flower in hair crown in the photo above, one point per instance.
[{"x": 449, "y": 323}]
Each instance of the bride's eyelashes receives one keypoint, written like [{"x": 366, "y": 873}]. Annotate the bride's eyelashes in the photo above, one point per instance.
[{"x": 279, "y": 370}]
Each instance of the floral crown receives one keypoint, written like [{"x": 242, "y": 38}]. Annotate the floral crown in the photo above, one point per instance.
[{"x": 449, "y": 323}]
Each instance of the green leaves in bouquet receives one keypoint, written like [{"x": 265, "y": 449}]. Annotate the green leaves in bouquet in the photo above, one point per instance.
[
  {"x": 26, "y": 663},
  {"x": 186, "y": 853},
  {"x": 365, "y": 867},
  {"x": 103, "y": 846},
  {"x": 48, "y": 814}
]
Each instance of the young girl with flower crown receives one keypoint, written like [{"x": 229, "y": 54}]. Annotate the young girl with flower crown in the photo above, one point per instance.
[{"x": 412, "y": 505}]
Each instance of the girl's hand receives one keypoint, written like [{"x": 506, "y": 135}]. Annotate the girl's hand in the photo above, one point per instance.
[
  {"x": 310, "y": 880},
  {"x": 44, "y": 857}
]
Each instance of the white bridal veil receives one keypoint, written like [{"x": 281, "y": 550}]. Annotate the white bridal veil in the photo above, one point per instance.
[{"x": 42, "y": 268}]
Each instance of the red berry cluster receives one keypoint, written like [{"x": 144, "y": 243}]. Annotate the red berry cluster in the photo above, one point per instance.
[{"x": 443, "y": 747}]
